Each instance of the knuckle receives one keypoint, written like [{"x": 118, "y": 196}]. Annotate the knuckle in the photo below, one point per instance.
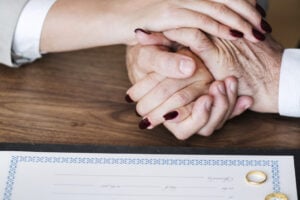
[
  {"x": 162, "y": 92},
  {"x": 220, "y": 8},
  {"x": 243, "y": 24},
  {"x": 181, "y": 135},
  {"x": 206, "y": 132},
  {"x": 206, "y": 21},
  {"x": 140, "y": 109},
  {"x": 182, "y": 98},
  {"x": 153, "y": 78},
  {"x": 200, "y": 43}
]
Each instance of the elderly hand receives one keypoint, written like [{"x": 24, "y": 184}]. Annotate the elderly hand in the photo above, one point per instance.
[{"x": 257, "y": 66}]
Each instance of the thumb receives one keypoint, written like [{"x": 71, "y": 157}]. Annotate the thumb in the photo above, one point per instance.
[
  {"x": 195, "y": 39},
  {"x": 151, "y": 38}
]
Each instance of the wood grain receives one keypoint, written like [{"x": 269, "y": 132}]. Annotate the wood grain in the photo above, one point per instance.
[{"x": 78, "y": 98}]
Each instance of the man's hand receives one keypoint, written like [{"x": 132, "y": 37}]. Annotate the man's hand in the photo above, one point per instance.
[{"x": 257, "y": 66}]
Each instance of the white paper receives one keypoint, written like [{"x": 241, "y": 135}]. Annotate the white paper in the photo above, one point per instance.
[{"x": 74, "y": 176}]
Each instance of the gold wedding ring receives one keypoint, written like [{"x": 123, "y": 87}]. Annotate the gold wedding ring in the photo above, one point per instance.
[
  {"x": 276, "y": 196},
  {"x": 256, "y": 177}
]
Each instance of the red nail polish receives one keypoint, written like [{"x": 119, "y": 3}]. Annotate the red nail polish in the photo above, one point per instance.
[
  {"x": 258, "y": 35},
  {"x": 236, "y": 33},
  {"x": 266, "y": 26},
  {"x": 128, "y": 99},
  {"x": 261, "y": 10},
  {"x": 142, "y": 30},
  {"x": 145, "y": 123},
  {"x": 171, "y": 115}
]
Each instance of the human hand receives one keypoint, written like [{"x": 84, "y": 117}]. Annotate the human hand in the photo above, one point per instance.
[
  {"x": 209, "y": 112},
  {"x": 225, "y": 19},
  {"x": 160, "y": 99},
  {"x": 257, "y": 66}
]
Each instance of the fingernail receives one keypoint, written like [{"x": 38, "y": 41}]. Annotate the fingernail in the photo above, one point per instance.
[
  {"x": 236, "y": 33},
  {"x": 142, "y": 30},
  {"x": 265, "y": 26},
  {"x": 186, "y": 66},
  {"x": 171, "y": 115},
  {"x": 208, "y": 105},
  {"x": 128, "y": 99},
  {"x": 258, "y": 35},
  {"x": 145, "y": 123},
  {"x": 261, "y": 10},
  {"x": 221, "y": 88}
]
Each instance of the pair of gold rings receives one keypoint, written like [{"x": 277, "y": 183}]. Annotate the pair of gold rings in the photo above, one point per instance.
[{"x": 259, "y": 177}]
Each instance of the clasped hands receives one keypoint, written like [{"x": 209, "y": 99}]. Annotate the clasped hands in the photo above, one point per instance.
[{"x": 193, "y": 82}]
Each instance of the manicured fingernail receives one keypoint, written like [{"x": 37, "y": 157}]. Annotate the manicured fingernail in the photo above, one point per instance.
[
  {"x": 128, "y": 99},
  {"x": 221, "y": 89},
  {"x": 145, "y": 123},
  {"x": 236, "y": 33},
  {"x": 186, "y": 66},
  {"x": 265, "y": 26},
  {"x": 258, "y": 35},
  {"x": 142, "y": 30},
  {"x": 171, "y": 115},
  {"x": 261, "y": 10},
  {"x": 208, "y": 105}
]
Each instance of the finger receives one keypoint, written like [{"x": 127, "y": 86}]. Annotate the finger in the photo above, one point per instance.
[
  {"x": 198, "y": 118},
  {"x": 165, "y": 111},
  {"x": 144, "y": 86},
  {"x": 247, "y": 11},
  {"x": 219, "y": 108},
  {"x": 252, "y": 2},
  {"x": 241, "y": 24},
  {"x": 172, "y": 65},
  {"x": 243, "y": 103},
  {"x": 162, "y": 92},
  {"x": 179, "y": 114},
  {"x": 193, "y": 19},
  {"x": 231, "y": 86},
  {"x": 195, "y": 39},
  {"x": 151, "y": 38}
]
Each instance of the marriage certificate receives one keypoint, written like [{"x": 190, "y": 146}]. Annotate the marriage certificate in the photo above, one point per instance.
[{"x": 111, "y": 176}]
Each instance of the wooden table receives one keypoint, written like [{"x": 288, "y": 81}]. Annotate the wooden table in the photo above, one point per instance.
[{"x": 78, "y": 98}]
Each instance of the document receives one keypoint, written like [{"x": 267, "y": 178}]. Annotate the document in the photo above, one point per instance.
[{"x": 81, "y": 176}]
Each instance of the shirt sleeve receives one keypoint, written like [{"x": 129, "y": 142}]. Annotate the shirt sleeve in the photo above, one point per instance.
[
  {"x": 26, "y": 42},
  {"x": 289, "y": 84}
]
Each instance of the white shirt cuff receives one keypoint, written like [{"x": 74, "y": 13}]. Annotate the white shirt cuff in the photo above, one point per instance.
[
  {"x": 289, "y": 84},
  {"x": 26, "y": 43}
]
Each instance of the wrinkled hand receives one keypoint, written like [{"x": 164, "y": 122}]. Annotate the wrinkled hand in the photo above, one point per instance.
[{"x": 257, "y": 66}]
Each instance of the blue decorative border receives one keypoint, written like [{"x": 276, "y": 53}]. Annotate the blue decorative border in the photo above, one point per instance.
[{"x": 15, "y": 160}]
